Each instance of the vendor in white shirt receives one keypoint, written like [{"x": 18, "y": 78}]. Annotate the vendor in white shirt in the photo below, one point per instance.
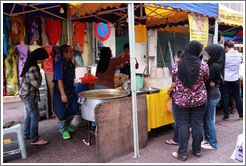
[{"x": 233, "y": 59}]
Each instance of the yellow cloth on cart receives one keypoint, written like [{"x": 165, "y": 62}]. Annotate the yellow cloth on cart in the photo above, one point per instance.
[{"x": 157, "y": 110}]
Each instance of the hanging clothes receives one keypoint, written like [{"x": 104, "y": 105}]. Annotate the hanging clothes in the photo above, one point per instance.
[
  {"x": 140, "y": 33},
  {"x": 17, "y": 29},
  {"x": 78, "y": 55},
  {"x": 6, "y": 29},
  {"x": 53, "y": 30},
  {"x": 43, "y": 35},
  {"x": 33, "y": 47},
  {"x": 57, "y": 54},
  {"x": 63, "y": 38},
  {"x": 23, "y": 51},
  {"x": 79, "y": 32},
  {"x": 48, "y": 63},
  {"x": 33, "y": 29},
  {"x": 4, "y": 89},
  {"x": 11, "y": 72}
]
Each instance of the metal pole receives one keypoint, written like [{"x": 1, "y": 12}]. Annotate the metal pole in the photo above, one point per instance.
[
  {"x": 133, "y": 76},
  {"x": 216, "y": 27}
]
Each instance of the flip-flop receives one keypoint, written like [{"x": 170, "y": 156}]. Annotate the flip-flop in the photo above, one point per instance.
[
  {"x": 39, "y": 142},
  {"x": 171, "y": 142}
]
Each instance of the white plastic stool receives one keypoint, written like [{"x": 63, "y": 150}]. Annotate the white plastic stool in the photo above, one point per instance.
[{"x": 22, "y": 147}]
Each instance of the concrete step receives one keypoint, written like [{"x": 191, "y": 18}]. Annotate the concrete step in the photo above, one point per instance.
[{"x": 9, "y": 99}]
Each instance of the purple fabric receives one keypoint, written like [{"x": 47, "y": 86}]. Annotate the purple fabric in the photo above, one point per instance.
[
  {"x": 23, "y": 50},
  {"x": 33, "y": 30},
  {"x": 57, "y": 53}
]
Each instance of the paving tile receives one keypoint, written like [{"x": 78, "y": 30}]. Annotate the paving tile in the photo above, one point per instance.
[{"x": 157, "y": 152}]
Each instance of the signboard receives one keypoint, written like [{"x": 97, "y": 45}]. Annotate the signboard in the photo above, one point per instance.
[
  {"x": 198, "y": 28},
  {"x": 229, "y": 16},
  {"x": 102, "y": 31}
]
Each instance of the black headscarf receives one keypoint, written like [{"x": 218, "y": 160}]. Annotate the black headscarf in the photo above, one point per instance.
[
  {"x": 189, "y": 65},
  {"x": 105, "y": 56},
  {"x": 33, "y": 57},
  {"x": 217, "y": 55}
]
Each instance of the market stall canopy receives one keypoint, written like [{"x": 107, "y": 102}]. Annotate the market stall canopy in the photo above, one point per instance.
[
  {"x": 46, "y": 10},
  {"x": 173, "y": 17},
  {"x": 104, "y": 12}
]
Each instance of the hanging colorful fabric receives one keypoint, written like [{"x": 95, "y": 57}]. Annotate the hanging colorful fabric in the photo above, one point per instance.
[
  {"x": 22, "y": 50},
  {"x": 53, "y": 30},
  {"x": 6, "y": 29},
  {"x": 11, "y": 73},
  {"x": 79, "y": 32},
  {"x": 33, "y": 30},
  {"x": 63, "y": 38},
  {"x": 4, "y": 89},
  {"x": 48, "y": 63},
  {"x": 17, "y": 29},
  {"x": 57, "y": 54}
]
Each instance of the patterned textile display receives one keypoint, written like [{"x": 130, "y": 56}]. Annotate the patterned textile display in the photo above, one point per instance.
[
  {"x": 6, "y": 29},
  {"x": 57, "y": 54},
  {"x": 17, "y": 29},
  {"x": 48, "y": 63},
  {"x": 23, "y": 51},
  {"x": 33, "y": 29},
  {"x": 11, "y": 72}
]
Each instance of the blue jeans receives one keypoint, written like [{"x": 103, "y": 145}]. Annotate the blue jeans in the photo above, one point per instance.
[
  {"x": 63, "y": 125},
  {"x": 234, "y": 86},
  {"x": 209, "y": 122},
  {"x": 32, "y": 118},
  {"x": 190, "y": 117},
  {"x": 176, "y": 125}
]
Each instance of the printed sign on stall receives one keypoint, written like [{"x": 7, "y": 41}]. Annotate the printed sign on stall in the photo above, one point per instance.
[
  {"x": 102, "y": 31},
  {"x": 198, "y": 28}
]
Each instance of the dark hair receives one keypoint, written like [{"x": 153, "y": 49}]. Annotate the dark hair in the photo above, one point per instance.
[
  {"x": 178, "y": 53},
  {"x": 64, "y": 48},
  {"x": 229, "y": 44},
  {"x": 105, "y": 56},
  {"x": 126, "y": 46}
]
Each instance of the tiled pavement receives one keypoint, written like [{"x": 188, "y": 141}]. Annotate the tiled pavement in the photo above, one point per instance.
[{"x": 75, "y": 151}]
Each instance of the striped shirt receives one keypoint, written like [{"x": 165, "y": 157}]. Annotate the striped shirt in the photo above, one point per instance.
[{"x": 30, "y": 83}]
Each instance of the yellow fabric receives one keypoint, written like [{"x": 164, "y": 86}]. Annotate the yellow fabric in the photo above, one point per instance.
[
  {"x": 88, "y": 8},
  {"x": 157, "y": 110},
  {"x": 157, "y": 15},
  {"x": 140, "y": 33},
  {"x": 229, "y": 16}
]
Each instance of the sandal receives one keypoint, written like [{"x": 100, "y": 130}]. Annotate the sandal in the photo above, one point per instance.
[
  {"x": 175, "y": 155},
  {"x": 171, "y": 142},
  {"x": 27, "y": 137},
  {"x": 40, "y": 142}
]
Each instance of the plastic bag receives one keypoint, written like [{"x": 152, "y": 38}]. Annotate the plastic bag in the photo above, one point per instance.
[
  {"x": 237, "y": 154},
  {"x": 169, "y": 105},
  {"x": 88, "y": 79}
]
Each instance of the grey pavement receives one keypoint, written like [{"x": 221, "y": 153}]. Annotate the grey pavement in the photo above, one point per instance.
[{"x": 157, "y": 152}]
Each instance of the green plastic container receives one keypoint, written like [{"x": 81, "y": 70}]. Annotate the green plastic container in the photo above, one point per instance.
[{"x": 139, "y": 81}]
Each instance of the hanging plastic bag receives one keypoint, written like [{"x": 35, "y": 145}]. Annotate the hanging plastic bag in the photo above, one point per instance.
[{"x": 169, "y": 105}]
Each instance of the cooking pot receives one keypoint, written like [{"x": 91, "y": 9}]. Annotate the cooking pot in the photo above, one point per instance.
[{"x": 90, "y": 98}]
